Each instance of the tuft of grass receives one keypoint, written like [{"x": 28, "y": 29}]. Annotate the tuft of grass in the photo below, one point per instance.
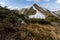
[{"x": 36, "y": 32}]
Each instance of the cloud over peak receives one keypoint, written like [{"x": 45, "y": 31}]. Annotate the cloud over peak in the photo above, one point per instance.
[
  {"x": 38, "y": 0},
  {"x": 58, "y": 1}
]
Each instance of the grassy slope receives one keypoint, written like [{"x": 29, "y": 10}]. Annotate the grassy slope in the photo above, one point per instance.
[
  {"x": 9, "y": 30},
  {"x": 33, "y": 32}
]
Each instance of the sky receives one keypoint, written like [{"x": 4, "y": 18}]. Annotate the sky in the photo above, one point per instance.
[{"x": 48, "y": 4}]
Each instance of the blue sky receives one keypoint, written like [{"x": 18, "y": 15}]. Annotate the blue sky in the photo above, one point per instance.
[{"x": 49, "y": 4}]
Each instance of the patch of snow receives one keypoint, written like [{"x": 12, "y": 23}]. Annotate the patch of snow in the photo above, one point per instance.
[{"x": 37, "y": 15}]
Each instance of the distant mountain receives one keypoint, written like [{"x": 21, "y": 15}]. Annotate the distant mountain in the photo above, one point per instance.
[
  {"x": 27, "y": 11},
  {"x": 57, "y": 12},
  {"x": 33, "y": 10},
  {"x": 23, "y": 11},
  {"x": 46, "y": 12}
]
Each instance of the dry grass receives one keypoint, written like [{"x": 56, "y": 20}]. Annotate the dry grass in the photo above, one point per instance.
[
  {"x": 33, "y": 32},
  {"x": 37, "y": 32}
]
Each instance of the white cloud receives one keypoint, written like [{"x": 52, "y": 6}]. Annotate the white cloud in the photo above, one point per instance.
[
  {"x": 2, "y": 3},
  {"x": 46, "y": 0},
  {"x": 58, "y": 1},
  {"x": 26, "y": 6},
  {"x": 12, "y": 7},
  {"x": 9, "y": 6},
  {"x": 38, "y": 0},
  {"x": 29, "y": 0},
  {"x": 33, "y": 0}
]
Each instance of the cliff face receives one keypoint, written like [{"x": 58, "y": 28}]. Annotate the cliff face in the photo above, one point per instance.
[
  {"x": 28, "y": 12},
  {"x": 32, "y": 11},
  {"x": 23, "y": 11},
  {"x": 43, "y": 11}
]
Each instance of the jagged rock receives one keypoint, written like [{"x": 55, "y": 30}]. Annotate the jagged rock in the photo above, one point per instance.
[{"x": 23, "y": 11}]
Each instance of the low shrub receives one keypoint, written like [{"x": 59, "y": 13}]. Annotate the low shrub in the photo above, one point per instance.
[{"x": 40, "y": 21}]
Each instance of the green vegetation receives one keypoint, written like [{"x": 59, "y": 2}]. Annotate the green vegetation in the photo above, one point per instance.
[{"x": 40, "y": 21}]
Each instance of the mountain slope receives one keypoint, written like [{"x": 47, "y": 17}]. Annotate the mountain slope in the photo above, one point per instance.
[{"x": 38, "y": 10}]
